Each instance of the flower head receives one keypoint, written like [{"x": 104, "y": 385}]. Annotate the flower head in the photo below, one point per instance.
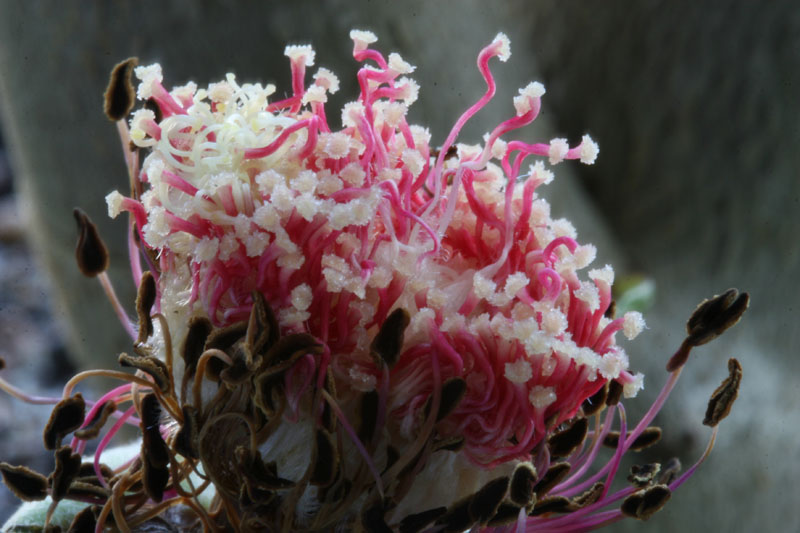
[{"x": 351, "y": 325}]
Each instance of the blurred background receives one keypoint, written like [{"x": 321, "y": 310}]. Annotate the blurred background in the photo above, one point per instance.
[{"x": 695, "y": 107}]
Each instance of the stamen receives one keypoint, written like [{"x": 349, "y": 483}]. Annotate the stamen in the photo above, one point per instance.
[{"x": 119, "y": 98}]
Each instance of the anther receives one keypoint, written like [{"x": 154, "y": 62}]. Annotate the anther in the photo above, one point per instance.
[
  {"x": 643, "y": 475},
  {"x": 92, "y": 429},
  {"x": 721, "y": 401},
  {"x": 388, "y": 341},
  {"x": 551, "y": 478},
  {"x": 645, "y": 503},
  {"x": 26, "y": 484},
  {"x": 523, "y": 481},
  {"x": 67, "y": 416},
  {"x": 68, "y": 466},
  {"x": 485, "y": 502},
  {"x": 417, "y": 522},
  {"x": 90, "y": 252},
  {"x": 145, "y": 298},
  {"x": 119, "y": 98},
  {"x": 563, "y": 443}
]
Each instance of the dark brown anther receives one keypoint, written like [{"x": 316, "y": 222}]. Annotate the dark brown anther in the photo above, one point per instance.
[
  {"x": 236, "y": 374},
  {"x": 289, "y": 348},
  {"x": 154, "y": 449},
  {"x": 185, "y": 442},
  {"x": 551, "y": 478},
  {"x": 369, "y": 416},
  {"x": 327, "y": 460},
  {"x": 82, "y": 491},
  {"x": 670, "y": 471},
  {"x": 119, "y": 98},
  {"x": 373, "y": 519},
  {"x": 506, "y": 514},
  {"x": 388, "y": 341},
  {"x": 648, "y": 437},
  {"x": 458, "y": 517},
  {"x": 611, "y": 312},
  {"x": 26, "y": 484},
  {"x": 267, "y": 394},
  {"x": 224, "y": 338},
  {"x": 644, "y": 503},
  {"x": 145, "y": 298},
  {"x": 85, "y": 521},
  {"x": 713, "y": 316},
  {"x": 150, "y": 365},
  {"x": 90, "y": 252},
  {"x": 417, "y": 522},
  {"x": 595, "y": 402},
  {"x": 644, "y": 475},
  {"x": 67, "y": 416},
  {"x": 589, "y": 496},
  {"x": 68, "y": 466},
  {"x": 87, "y": 471},
  {"x": 562, "y": 443},
  {"x": 485, "y": 502},
  {"x": 719, "y": 406},
  {"x": 194, "y": 344},
  {"x": 453, "y": 391},
  {"x": 92, "y": 429},
  {"x": 262, "y": 328},
  {"x": 523, "y": 480},
  {"x": 153, "y": 106},
  {"x": 614, "y": 393},
  {"x": 2, "y": 363},
  {"x": 553, "y": 504},
  {"x": 154, "y": 480}
]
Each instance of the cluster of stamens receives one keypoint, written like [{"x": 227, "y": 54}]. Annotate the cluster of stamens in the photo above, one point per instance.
[{"x": 335, "y": 325}]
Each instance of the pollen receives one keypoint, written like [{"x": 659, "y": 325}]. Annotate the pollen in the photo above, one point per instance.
[{"x": 519, "y": 371}]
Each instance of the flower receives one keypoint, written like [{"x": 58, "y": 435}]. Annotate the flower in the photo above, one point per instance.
[{"x": 341, "y": 326}]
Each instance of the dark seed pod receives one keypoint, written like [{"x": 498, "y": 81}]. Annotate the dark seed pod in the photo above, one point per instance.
[
  {"x": 150, "y": 365},
  {"x": 562, "y": 443},
  {"x": 68, "y": 465},
  {"x": 85, "y": 521},
  {"x": 119, "y": 98},
  {"x": 67, "y": 416},
  {"x": 643, "y": 475},
  {"x": 551, "y": 478},
  {"x": 26, "y": 484},
  {"x": 595, "y": 402},
  {"x": 90, "y": 252},
  {"x": 485, "y": 502},
  {"x": 523, "y": 481},
  {"x": 145, "y": 298},
  {"x": 645, "y": 503},
  {"x": 719, "y": 406},
  {"x": 388, "y": 341},
  {"x": 417, "y": 522},
  {"x": 552, "y": 504},
  {"x": 92, "y": 429}
]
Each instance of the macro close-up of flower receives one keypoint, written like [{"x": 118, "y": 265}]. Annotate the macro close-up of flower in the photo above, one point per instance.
[{"x": 357, "y": 328}]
